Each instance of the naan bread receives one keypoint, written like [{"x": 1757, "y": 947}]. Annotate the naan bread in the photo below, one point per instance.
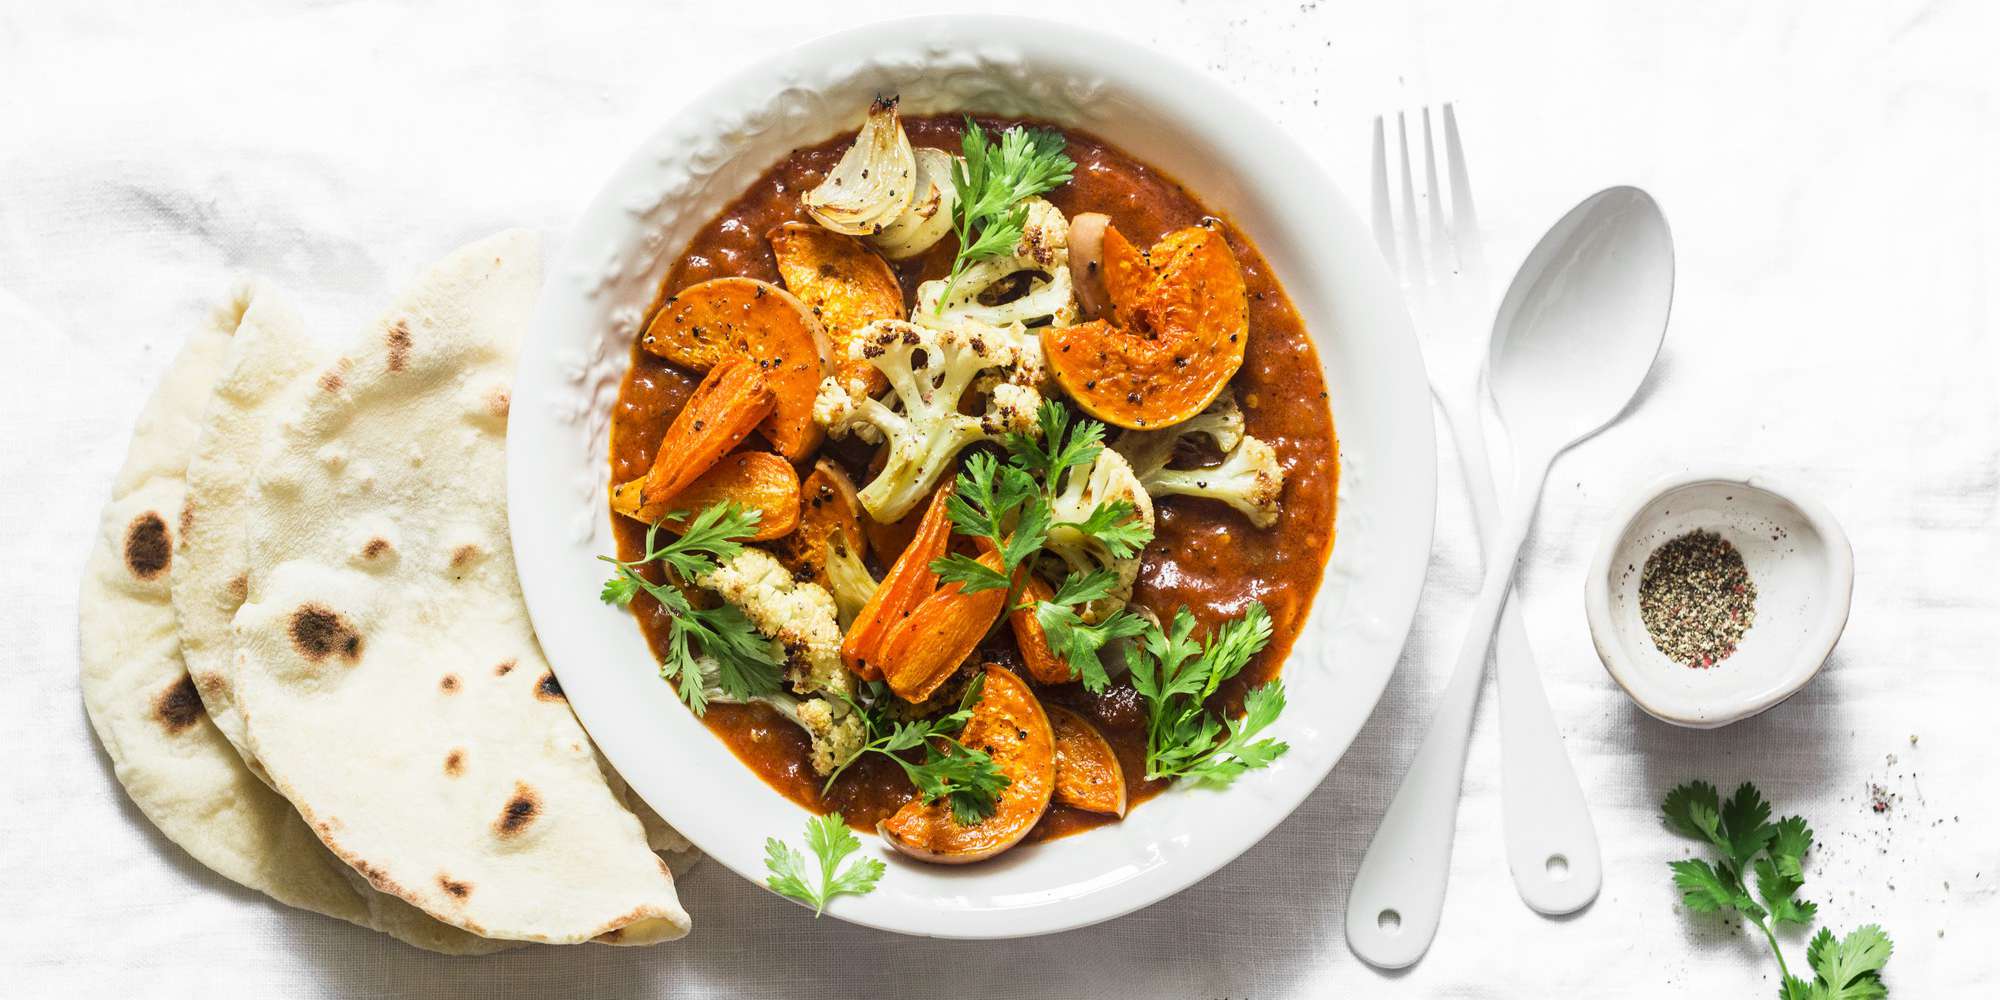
[
  {"x": 386, "y": 672},
  {"x": 170, "y": 757}
]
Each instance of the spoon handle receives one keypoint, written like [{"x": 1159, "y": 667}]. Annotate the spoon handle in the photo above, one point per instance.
[
  {"x": 1398, "y": 894},
  {"x": 1551, "y": 842}
]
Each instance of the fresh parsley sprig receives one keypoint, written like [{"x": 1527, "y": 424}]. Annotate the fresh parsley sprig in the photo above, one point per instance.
[
  {"x": 831, "y": 841},
  {"x": 1175, "y": 675},
  {"x": 992, "y": 182},
  {"x": 950, "y": 770},
  {"x": 1080, "y": 643},
  {"x": 1740, "y": 829},
  {"x": 745, "y": 664},
  {"x": 1002, "y": 504}
]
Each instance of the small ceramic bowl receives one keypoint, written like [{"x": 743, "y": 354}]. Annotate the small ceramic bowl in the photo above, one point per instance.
[{"x": 1797, "y": 556}]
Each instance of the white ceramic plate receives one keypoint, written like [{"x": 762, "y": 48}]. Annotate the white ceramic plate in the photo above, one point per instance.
[{"x": 1157, "y": 110}]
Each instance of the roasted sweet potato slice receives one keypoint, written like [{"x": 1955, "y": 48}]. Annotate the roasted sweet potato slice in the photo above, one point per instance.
[
  {"x": 743, "y": 318},
  {"x": 1088, "y": 776},
  {"x": 1125, "y": 274},
  {"x": 753, "y": 480},
  {"x": 827, "y": 504},
  {"x": 920, "y": 652},
  {"x": 1172, "y": 344},
  {"x": 1010, "y": 726},
  {"x": 846, "y": 285},
  {"x": 907, "y": 583},
  {"x": 730, "y": 401}
]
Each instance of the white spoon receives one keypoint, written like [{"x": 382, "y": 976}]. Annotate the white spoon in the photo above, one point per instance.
[{"x": 1573, "y": 339}]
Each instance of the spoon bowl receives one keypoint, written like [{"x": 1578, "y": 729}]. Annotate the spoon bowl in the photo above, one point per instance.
[{"x": 1583, "y": 320}]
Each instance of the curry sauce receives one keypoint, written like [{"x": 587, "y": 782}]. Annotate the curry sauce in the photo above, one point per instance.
[{"x": 1204, "y": 555}]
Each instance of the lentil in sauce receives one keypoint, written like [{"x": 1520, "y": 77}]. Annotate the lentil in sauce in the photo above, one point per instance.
[{"x": 1204, "y": 555}]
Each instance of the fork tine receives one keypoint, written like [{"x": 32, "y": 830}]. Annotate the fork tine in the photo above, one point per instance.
[
  {"x": 1385, "y": 223},
  {"x": 1464, "y": 217},
  {"x": 1441, "y": 256},
  {"x": 1413, "y": 261}
]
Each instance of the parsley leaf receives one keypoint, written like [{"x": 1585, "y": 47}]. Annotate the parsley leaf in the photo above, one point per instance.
[
  {"x": 1175, "y": 676},
  {"x": 831, "y": 841},
  {"x": 704, "y": 645},
  {"x": 1740, "y": 829},
  {"x": 1002, "y": 504},
  {"x": 992, "y": 182},
  {"x": 1077, "y": 642},
  {"x": 950, "y": 770}
]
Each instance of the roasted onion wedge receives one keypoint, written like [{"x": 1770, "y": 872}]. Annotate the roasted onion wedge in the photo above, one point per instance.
[
  {"x": 929, "y": 216},
  {"x": 1009, "y": 725},
  {"x": 875, "y": 180}
]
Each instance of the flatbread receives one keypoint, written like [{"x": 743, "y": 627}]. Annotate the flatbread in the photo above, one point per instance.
[
  {"x": 386, "y": 672},
  {"x": 169, "y": 756},
  {"x": 211, "y": 572}
]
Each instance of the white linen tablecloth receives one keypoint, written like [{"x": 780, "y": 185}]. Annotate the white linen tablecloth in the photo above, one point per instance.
[{"x": 1828, "y": 172}]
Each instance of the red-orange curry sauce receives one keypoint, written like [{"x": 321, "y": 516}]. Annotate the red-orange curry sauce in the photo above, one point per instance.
[{"x": 1204, "y": 556}]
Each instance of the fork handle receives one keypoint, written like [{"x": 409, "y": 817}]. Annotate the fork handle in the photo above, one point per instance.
[
  {"x": 1551, "y": 843},
  {"x": 1397, "y": 899}
]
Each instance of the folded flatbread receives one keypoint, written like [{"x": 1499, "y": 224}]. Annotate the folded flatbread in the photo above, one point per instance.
[
  {"x": 170, "y": 757},
  {"x": 385, "y": 671}
]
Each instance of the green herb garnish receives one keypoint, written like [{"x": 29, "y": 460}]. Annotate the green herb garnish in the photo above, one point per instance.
[
  {"x": 992, "y": 182},
  {"x": 1741, "y": 830},
  {"x": 746, "y": 664},
  {"x": 1176, "y": 675},
  {"x": 950, "y": 770},
  {"x": 830, "y": 841}
]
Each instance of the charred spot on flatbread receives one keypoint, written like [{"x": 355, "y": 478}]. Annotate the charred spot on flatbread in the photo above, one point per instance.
[
  {"x": 399, "y": 345},
  {"x": 506, "y": 667},
  {"x": 547, "y": 689},
  {"x": 318, "y": 632},
  {"x": 331, "y": 380},
  {"x": 465, "y": 555},
  {"x": 239, "y": 586},
  {"x": 520, "y": 810},
  {"x": 375, "y": 548},
  {"x": 148, "y": 547},
  {"x": 179, "y": 706},
  {"x": 498, "y": 402},
  {"x": 448, "y": 684},
  {"x": 187, "y": 517},
  {"x": 454, "y": 888},
  {"x": 454, "y": 762}
]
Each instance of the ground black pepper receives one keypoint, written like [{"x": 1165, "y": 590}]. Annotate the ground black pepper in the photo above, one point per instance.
[{"x": 1697, "y": 599}]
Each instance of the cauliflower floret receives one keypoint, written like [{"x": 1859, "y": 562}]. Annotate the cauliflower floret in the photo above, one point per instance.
[
  {"x": 1034, "y": 279},
  {"x": 1108, "y": 479},
  {"x": 1249, "y": 479},
  {"x": 1150, "y": 451},
  {"x": 836, "y": 732},
  {"x": 800, "y": 616},
  {"x": 929, "y": 371}
]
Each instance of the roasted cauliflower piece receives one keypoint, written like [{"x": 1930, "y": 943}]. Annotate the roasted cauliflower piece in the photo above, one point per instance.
[
  {"x": 1107, "y": 479},
  {"x": 1249, "y": 477},
  {"x": 918, "y": 421},
  {"x": 1031, "y": 285},
  {"x": 799, "y": 616},
  {"x": 1150, "y": 451}
]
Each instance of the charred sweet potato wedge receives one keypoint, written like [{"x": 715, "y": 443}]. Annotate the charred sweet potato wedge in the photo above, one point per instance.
[
  {"x": 1088, "y": 776},
  {"x": 846, "y": 286},
  {"x": 753, "y": 480},
  {"x": 1042, "y": 662},
  {"x": 707, "y": 323},
  {"x": 920, "y": 652},
  {"x": 1179, "y": 323},
  {"x": 732, "y": 399},
  {"x": 1009, "y": 725},
  {"x": 827, "y": 504},
  {"x": 907, "y": 583}
]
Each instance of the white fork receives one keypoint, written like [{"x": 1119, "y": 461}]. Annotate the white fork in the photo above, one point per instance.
[{"x": 1398, "y": 894}]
